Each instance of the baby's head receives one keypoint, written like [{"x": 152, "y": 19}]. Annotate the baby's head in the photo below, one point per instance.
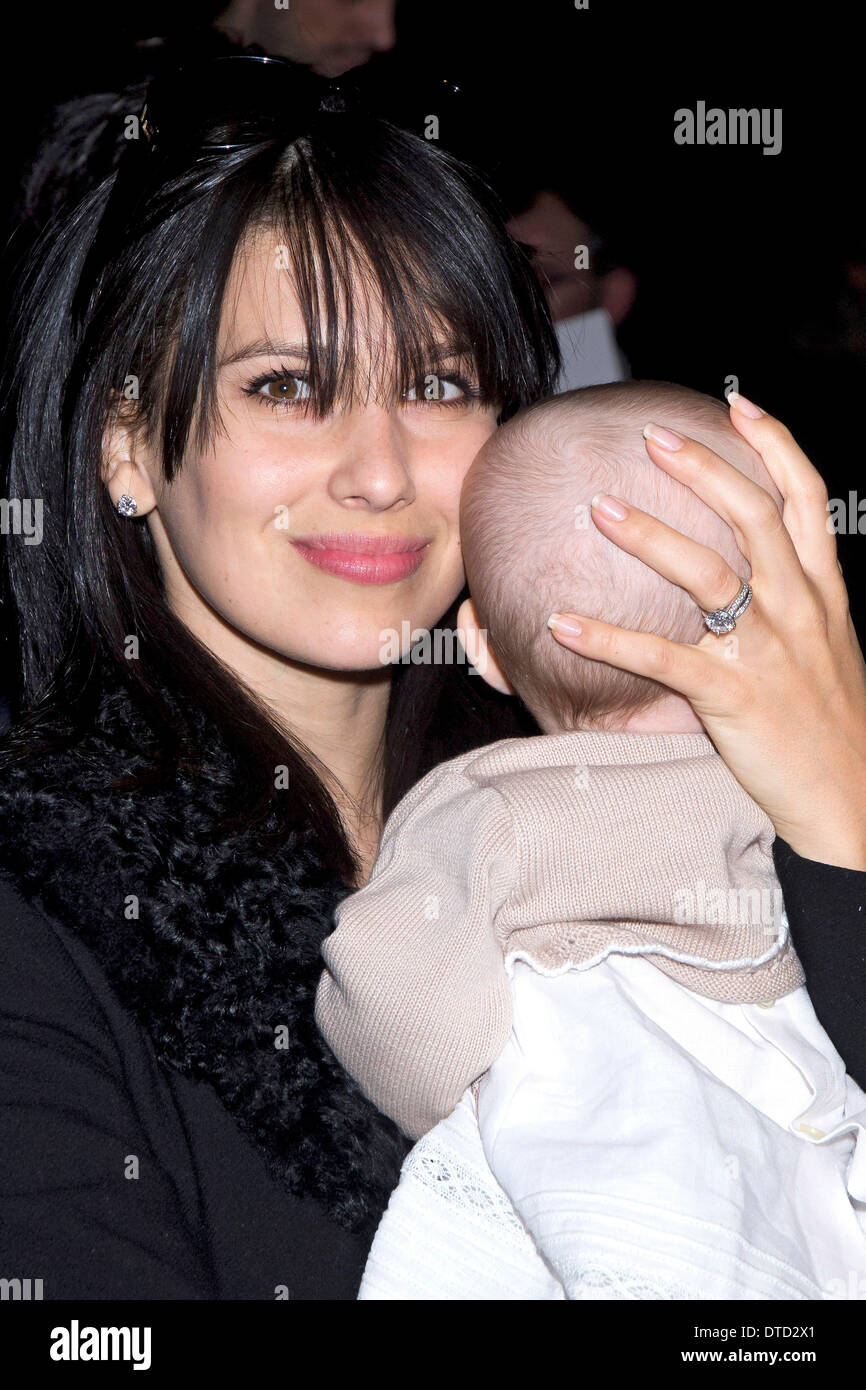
[{"x": 530, "y": 546}]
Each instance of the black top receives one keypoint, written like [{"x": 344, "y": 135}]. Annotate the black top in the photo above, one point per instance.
[
  {"x": 119, "y": 1178},
  {"x": 826, "y": 908}
]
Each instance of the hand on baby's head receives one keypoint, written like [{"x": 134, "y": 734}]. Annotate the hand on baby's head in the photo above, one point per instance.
[{"x": 530, "y": 546}]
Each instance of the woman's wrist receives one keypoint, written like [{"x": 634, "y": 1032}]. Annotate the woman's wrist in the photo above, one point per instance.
[
  {"x": 842, "y": 850},
  {"x": 828, "y": 775}
]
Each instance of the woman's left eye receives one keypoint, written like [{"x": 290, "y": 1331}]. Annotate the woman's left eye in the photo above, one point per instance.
[{"x": 441, "y": 390}]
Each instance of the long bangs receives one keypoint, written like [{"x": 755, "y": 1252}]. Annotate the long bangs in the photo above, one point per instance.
[{"x": 374, "y": 226}]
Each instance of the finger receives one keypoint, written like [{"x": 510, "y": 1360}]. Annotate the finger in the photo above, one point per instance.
[
  {"x": 701, "y": 571},
  {"x": 688, "y": 670},
  {"x": 800, "y": 483},
  {"x": 749, "y": 509}
]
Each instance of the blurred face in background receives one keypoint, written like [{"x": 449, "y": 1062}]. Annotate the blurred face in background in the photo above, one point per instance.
[
  {"x": 330, "y": 36},
  {"x": 557, "y": 234}
]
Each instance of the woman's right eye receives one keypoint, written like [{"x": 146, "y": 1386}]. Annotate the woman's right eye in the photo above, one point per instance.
[{"x": 285, "y": 388}]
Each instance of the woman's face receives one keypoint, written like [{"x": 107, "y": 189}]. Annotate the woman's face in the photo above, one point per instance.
[{"x": 243, "y": 530}]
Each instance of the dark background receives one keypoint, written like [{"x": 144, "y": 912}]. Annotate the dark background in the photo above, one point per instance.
[{"x": 744, "y": 260}]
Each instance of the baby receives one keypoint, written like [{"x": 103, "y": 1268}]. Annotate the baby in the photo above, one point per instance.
[{"x": 579, "y": 937}]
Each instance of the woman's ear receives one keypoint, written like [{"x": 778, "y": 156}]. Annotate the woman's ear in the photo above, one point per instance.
[
  {"x": 125, "y": 470},
  {"x": 476, "y": 646}
]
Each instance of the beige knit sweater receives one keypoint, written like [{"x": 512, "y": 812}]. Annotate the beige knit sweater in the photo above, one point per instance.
[{"x": 557, "y": 850}]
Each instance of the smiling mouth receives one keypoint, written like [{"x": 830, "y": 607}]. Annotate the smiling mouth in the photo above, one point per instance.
[{"x": 364, "y": 559}]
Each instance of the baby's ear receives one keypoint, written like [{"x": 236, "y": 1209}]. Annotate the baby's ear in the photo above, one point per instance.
[{"x": 476, "y": 646}]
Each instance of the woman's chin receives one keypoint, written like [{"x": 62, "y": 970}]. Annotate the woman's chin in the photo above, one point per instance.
[{"x": 359, "y": 657}]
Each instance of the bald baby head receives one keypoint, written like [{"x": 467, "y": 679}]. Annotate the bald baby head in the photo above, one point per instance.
[{"x": 530, "y": 546}]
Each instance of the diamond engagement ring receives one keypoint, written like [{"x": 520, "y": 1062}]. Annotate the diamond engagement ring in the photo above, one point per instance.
[{"x": 723, "y": 620}]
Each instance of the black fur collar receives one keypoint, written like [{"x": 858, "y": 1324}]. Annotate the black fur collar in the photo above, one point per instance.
[{"x": 225, "y": 949}]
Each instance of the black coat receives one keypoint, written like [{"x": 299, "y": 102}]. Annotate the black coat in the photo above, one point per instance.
[
  {"x": 157, "y": 1141},
  {"x": 124, "y": 1179}
]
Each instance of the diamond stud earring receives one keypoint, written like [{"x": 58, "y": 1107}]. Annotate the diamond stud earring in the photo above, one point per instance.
[{"x": 126, "y": 505}]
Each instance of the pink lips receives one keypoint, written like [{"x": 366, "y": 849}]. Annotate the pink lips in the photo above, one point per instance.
[{"x": 364, "y": 559}]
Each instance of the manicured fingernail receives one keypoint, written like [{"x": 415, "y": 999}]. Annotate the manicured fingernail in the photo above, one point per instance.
[
  {"x": 748, "y": 408},
  {"x": 611, "y": 507},
  {"x": 666, "y": 439},
  {"x": 565, "y": 622}
]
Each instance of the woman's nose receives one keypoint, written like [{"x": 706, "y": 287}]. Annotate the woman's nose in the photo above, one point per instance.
[{"x": 375, "y": 468}]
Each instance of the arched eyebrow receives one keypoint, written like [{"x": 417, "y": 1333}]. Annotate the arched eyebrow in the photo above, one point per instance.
[{"x": 264, "y": 347}]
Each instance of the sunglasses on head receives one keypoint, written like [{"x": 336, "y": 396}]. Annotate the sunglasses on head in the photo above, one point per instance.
[
  {"x": 246, "y": 97},
  {"x": 231, "y": 103}
]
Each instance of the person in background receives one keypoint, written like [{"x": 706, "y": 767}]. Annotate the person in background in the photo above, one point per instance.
[
  {"x": 588, "y": 293},
  {"x": 329, "y": 36}
]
